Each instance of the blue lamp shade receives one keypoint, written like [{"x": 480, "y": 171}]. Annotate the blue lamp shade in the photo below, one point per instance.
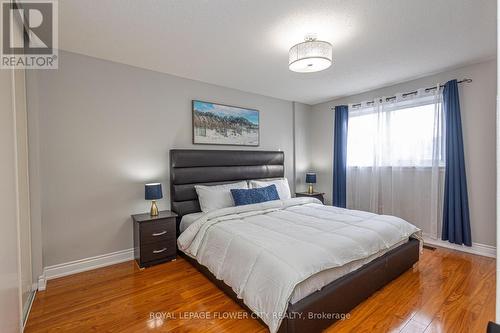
[
  {"x": 153, "y": 191},
  {"x": 310, "y": 178}
]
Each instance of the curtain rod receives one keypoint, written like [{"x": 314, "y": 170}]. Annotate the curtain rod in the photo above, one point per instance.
[{"x": 387, "y": 99}]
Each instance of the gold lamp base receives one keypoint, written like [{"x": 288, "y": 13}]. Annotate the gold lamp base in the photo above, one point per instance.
[
  {"x": 310, "y": 190},
  {"x": 154, "y": 208}
]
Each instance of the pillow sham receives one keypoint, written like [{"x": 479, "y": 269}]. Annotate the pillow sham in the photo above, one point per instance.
[
  {"x": 217, "y": 196},
  {"x": 281, "y": 186},
  {"x": 254, "y": 195}
]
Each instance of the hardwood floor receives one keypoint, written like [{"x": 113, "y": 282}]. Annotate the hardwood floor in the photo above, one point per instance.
[{"x": 447, "y": 291}]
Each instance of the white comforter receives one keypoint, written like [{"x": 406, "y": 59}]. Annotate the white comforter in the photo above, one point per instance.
[{"x": 264, "y": 250}]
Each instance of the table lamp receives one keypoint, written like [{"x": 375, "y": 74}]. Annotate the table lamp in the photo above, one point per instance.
[
  {"x": 153, "y": 192},
  {"x": 310, "y": 179}
]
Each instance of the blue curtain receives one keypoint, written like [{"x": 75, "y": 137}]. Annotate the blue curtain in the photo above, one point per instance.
[
  {"x": 456, "y": 221},
  {"x": 340, "y": 156}
]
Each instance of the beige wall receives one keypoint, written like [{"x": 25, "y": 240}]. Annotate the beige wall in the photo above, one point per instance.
[
  {"x": 15, "y": 238},
  {"x": 9, "y": 269},
  {"x": 478, "y": 105},
  {"x": 23, "y": 189},
  {"x": 302, "y": 114},
  {"x": 103, "y": 130},
  {"x": 34, "y": 183}
]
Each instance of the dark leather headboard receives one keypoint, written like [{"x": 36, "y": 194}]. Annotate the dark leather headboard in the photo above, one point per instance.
[{"x": 190, "y": 167}]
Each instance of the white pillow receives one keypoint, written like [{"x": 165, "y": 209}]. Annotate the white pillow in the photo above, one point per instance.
[
  {"x": 281, "y": 186},
  {"x": 217, "y": 196}
]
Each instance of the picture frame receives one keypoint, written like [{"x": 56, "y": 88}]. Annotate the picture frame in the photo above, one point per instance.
[{"x": 221, "y": 124}]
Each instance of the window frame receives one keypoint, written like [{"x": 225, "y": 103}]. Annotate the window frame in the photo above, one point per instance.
[{"x": 401, "y": 103}]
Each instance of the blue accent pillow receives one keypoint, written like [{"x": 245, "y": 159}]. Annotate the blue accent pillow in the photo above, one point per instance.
[{"x": 254, "y": 195}]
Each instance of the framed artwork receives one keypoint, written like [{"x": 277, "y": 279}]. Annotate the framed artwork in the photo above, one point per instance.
[{"x": 218, "y": 124}]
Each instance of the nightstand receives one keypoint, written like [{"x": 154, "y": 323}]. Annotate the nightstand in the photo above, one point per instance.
[
  {"x": 155, "y": 238},
  {"x": 317, "y": 195}
]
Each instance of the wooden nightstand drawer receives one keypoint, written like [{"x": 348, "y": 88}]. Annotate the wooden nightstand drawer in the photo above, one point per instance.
[
  {"x": 155, "y": 238},
  {"x": 158, "y": 251},
  {"x": 157, "y": 231}
]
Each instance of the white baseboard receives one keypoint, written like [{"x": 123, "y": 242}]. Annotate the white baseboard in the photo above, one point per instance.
[
  {"x": 476, "y": 248},
  {"x": 42, "y": 283},
  {"x": 82, "y": 265}
]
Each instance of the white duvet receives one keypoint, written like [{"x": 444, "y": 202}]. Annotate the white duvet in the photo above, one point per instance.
[{"x": 264, "y": 250}]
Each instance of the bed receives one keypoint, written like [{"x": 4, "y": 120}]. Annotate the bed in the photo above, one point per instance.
[{"x": 311, "y": 281}]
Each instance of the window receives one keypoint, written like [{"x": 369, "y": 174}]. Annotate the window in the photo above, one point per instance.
[{"x": 399, "y": 134}]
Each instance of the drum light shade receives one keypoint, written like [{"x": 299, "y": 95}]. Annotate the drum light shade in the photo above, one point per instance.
[
  {"x": 310, "y": 56},
  {"x": 310, "y": 178},
  {"x": 153, "y": 191}
]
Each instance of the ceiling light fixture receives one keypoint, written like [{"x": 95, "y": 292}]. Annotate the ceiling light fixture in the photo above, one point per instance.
[{"x": 310, "y": 56}]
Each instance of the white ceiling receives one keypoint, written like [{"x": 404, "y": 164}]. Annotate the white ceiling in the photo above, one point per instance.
[{"x": 244, "y": 44}]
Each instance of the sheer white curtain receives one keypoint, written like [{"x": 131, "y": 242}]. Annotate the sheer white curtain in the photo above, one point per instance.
[{"x": 395, "y": 158}]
